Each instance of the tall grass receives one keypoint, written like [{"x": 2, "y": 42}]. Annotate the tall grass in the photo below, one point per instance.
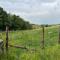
[{"x": 32, "y": 40}]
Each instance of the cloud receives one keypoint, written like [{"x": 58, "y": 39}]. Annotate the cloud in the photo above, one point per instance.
[
  {"x": 48, "y": 1},
  {"x": 33, "y": 10}
]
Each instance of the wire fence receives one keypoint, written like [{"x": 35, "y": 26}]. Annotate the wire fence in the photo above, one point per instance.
[
  {"x": 29, "y": 43},
  {"x": 30, "y": 38}
]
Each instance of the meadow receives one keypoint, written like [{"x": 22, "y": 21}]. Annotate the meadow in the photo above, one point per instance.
[{"x": 32, "y": 39}]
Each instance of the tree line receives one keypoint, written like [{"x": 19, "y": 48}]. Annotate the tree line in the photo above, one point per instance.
[{"x": 13, "y": 21}]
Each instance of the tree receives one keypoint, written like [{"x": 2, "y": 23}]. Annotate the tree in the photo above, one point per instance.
[
  {"x": 3, "y": 19},
  {"x": 14, "y": 22}
]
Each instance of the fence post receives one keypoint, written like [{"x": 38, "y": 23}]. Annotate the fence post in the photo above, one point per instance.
[
  {"x": 6, "y": 38},
  {"x": 43, "y": 37},
  {"x": 59, "y": 35}
]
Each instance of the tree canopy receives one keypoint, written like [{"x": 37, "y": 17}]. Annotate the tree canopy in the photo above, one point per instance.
[{"x": 13, "y": 21}]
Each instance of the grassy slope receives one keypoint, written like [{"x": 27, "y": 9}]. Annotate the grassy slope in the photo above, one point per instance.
[{"x": 32, "y": 39}]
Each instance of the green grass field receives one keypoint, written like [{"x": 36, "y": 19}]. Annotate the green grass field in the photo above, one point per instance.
[{"x": 32, "y": 40}]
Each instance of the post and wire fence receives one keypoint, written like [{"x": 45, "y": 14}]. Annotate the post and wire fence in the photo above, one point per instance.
[
  {"x": 29, "y": 42},
  {"x": 49, "y": 36}
]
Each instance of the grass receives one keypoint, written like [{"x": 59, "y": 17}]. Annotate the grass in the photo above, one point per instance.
[{"x": 32, "y": 40}]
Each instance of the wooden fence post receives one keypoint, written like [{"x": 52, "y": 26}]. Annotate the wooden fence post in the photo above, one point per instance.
[
  {"x": 59, "y": 36},
  {"x": 6, "y": 38},
  {"x": 43, "y": 37}
]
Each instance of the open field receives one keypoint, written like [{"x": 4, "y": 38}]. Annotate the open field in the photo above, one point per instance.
[{"x": 32, "y": 40}]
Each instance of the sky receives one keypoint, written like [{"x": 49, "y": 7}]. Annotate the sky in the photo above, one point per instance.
[{"x": 34, "y": 11}]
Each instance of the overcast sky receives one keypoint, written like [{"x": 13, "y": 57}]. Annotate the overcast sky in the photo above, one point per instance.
[{"x": 35, "y": 11}]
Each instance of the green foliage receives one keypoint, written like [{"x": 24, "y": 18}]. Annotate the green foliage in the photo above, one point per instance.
[
  {"x": 46, "y": 25},
  {"x": 32, "y": 40},
  {"x": 3, "y": 19},
  {"x": 14, "y": 22}
]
